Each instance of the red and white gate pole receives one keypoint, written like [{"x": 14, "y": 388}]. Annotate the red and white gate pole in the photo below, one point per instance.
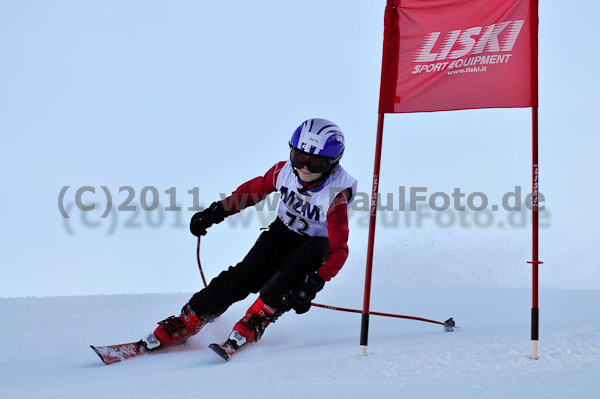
[
  {"x": 535, "y": 262},
  {"x": 364, "y": 328}
]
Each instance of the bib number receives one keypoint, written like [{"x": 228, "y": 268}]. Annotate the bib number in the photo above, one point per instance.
[{"x": 297, "y": 223}]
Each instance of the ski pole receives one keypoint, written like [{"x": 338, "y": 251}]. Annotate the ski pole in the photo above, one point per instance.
[
  {"x": 199, "y": 263},
  {"x": 449, "y": 324}
]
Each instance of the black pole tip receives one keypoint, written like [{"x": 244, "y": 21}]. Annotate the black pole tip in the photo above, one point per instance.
[{"x": 449, "y": 325}]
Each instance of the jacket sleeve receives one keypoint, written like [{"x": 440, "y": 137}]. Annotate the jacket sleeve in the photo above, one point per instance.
[
  {"x": 253, "y": 191},
  {"x": 337, "y": 227}
]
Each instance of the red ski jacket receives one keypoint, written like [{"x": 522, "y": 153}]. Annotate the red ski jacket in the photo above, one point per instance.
[{"x": 255, "y": 190}]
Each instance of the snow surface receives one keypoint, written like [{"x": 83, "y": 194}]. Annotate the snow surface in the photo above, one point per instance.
[
  {"x": 134, "y": 93},
  {"x": 45, "y": 352}
]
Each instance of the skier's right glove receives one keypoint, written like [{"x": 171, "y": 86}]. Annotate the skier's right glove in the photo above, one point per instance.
[
  {"x": 201, "y": 221},
  {"x": 300, "y": 297}
]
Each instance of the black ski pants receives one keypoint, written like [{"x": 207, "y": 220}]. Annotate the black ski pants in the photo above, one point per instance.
[{"x": 279, "y": 261}]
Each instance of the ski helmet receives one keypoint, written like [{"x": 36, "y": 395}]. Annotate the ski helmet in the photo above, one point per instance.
[{"x": 318, "y": 144}]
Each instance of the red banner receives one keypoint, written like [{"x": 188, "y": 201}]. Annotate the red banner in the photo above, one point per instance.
[{"x": 441, "y": 55}]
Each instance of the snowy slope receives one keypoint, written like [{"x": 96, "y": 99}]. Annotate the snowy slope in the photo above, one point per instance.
[
  {"x": 45, "y": 354},
  {"x": 138, "y": 94}
]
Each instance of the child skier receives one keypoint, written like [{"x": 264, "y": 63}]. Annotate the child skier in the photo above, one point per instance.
[{"x": 290, "y": 262}]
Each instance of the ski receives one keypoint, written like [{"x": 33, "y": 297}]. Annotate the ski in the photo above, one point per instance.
[
  {"x": 226, "y": 350},
  {"x": 116, "y": 353}
]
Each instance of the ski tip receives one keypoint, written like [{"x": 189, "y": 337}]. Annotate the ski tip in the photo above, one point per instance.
[
  {"x": 219, "y": 351},
  {"x": 107, "y": 355},
  {"x": 97, "y": 352}
]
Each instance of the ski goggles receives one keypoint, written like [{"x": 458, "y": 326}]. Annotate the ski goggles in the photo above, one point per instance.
[{"x": 314, "y": 163}]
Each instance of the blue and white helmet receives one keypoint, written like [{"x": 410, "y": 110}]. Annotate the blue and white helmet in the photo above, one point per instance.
[{"x": 319, "y": 137}]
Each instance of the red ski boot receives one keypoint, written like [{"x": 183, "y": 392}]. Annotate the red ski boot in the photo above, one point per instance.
[
  {"x": 249, "y": 329},
  {"x": 252, "y": 326},
  {"x": 174, "y": 330}
]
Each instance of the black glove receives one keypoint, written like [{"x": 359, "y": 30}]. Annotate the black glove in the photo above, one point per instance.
[
  {"x": 203, "y": 220},
  {"x": 300, "y": 298}
]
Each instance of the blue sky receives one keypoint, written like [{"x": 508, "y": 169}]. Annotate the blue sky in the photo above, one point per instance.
[{"x": 206, "y": 95}]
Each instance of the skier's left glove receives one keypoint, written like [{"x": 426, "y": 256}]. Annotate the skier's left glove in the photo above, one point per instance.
[
  {"x": 201, "y": 221},
  {"x": 300, "y": 298}
]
